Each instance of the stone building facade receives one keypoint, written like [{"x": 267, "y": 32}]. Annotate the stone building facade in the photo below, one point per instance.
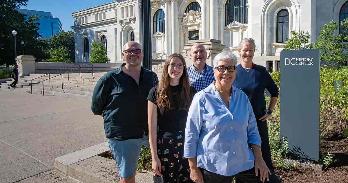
[{"x": 175, "y": 22}]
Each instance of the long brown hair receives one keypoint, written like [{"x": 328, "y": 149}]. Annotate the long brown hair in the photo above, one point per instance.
[{"x": 165, "y": 95}]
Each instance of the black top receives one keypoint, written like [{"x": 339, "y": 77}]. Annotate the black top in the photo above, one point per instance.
[
  {"x": 174, "y": 119},
  {"x": 122, "y": 103},
  {"x": 253, "y": 82}
]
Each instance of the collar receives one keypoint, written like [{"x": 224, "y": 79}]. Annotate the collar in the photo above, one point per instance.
[
  {"x": 204, "y": 68},
  {"x": 118, "y": 70}
]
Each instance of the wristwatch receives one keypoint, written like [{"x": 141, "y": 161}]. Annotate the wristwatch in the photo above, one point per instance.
[{"x": 269, "y": 111}]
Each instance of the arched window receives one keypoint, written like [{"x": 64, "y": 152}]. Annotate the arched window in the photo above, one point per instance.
[
  {"x": 85, "y": 49},
  {"x": 104, "y": 41},
  {"x": 343, "y": 15},
  {"x": 158, "y": 21},
  {"x": 131, "y": 35},
  {"x": 194, "y": 6},
  {"x": 236, "y": 10},
  {"x": 282, "y": 26}
]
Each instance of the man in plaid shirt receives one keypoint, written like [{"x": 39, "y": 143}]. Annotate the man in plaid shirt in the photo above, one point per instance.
[{"x": 200, "y": 74}]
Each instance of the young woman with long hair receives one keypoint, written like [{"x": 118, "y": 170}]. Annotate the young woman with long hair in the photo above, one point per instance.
[{"x": 168, "y": 104}]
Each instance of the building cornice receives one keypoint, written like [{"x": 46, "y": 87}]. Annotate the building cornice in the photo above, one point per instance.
[{"x": 94, "y": 24}]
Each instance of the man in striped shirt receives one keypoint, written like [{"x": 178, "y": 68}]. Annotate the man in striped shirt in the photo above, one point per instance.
[{"x": 200, "y": 74}]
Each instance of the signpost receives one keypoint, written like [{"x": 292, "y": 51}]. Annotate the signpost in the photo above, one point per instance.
[{"x": 300, "y": 101}]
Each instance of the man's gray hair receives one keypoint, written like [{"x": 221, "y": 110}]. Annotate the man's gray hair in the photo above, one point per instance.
[
  {"x": 127, "y": 45},
  {"x": 247, "y": 40},
  {"x": 225, "y": 55}
]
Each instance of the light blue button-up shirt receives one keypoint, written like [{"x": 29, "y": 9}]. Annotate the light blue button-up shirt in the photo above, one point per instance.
[{"x": 219, "y": 136}]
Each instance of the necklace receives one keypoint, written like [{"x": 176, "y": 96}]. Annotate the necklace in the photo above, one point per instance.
[{"x": 247, "y": 69}]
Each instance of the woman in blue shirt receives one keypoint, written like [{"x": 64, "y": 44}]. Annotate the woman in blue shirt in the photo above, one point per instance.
[
  {"x": 167, "y": 111},
  {"x": 221, "y": 136}
]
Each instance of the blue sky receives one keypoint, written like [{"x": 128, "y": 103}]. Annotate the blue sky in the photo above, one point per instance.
[{"x": 63, "y": 9}]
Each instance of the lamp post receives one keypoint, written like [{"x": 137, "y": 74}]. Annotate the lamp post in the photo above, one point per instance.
[
  {"x": 14, "y": 33},
  {"x": 145, "y": 17}
]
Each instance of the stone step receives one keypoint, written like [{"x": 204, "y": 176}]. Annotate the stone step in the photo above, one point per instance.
[{"x": 88, "y": 166}]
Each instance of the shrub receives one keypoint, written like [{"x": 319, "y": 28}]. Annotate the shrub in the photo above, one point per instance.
[
  {"x": 333, "y": 102},
  {"x": 144, "y": 162},
  {"x": 298, "y": 40},
  {"x": 98, "y": 53},
  {"x": 60, "y": 54},
  {"x": 5, "y": 73}
]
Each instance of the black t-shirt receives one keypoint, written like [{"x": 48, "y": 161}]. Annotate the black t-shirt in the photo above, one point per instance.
[{"x": 174, "y": 119}]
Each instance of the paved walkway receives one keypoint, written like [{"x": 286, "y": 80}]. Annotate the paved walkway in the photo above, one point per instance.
[{"x": 35, "y": 129}]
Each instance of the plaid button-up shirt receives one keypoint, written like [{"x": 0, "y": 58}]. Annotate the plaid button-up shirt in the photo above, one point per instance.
[{"x": 200, "y": 80}]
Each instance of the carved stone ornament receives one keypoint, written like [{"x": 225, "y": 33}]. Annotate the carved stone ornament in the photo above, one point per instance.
[
  {"x": 158, "y": 35},
  {"x": 156, "y": 4},
  {"x": 192, "y": 18},
  {"x": 236, "y": 26},
  {"x": 127, "y": 21}
]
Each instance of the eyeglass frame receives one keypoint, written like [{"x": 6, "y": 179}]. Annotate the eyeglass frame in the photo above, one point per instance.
[
  {"x": 132, "y": 51},
  {"x": 228, "y": 68},
  {"x": 180, "y": 66}
]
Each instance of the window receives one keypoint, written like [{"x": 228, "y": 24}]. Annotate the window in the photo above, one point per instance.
[
  {"x": 104, "y": 41},
  {"x": 85, "y": 49},
  {"x": 282, "y": 26},
  {"x": 343, "y": 15},
  {"x": 131, "y": 35},
  {"x": 236, "y": 10},
  {"x": 158, "y": 21},
  {"x": 269, "y": 66},
  {"x": 194, "y": 6},
  {"x": 193, "y": 35}
]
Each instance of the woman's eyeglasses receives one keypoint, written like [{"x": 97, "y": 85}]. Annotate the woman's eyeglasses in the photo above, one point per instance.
[
  {"x": 180, "y": 66},
  {"x": 223, "y": 68}
]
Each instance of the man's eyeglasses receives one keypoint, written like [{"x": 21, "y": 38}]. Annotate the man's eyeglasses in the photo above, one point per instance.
[
  {"x": 223, "y": 68},
  {"x": 133, "y": 51}
]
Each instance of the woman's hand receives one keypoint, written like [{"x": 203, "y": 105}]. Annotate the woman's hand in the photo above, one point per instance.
[
  {"x": 196, "y": 175},
  {"x": 156, "y": 166},
  {"x": 261, "y": 169},
  {"x": 265, "y": 117}
]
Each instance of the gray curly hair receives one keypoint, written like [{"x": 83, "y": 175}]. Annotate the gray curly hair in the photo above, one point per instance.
[{"x": 225, "y": 55}]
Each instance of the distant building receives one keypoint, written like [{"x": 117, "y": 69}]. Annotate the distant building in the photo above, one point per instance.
[
  {"x": 175, "y": 22},
  {"x": 48, "y": 26}
]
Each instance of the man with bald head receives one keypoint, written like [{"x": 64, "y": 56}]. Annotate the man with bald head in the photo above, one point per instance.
[
  {"x": 200, "y": 74},
  {"x": 120, "y": 96}
]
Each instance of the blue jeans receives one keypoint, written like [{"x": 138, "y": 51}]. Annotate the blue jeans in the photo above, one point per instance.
[{"x": 126, "y": 154}]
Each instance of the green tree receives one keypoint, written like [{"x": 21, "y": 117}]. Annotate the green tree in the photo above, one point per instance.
[
  {"x": 332, "y": 44},
  {"x": 60, "y": 54},
  {"x": 298, "y": 40},
  {"x": 98, "y": 53},
  {"x": 64, "y": 40}
]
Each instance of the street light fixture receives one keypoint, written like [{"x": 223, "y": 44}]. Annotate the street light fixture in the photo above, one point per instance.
[{"x": 14, "y": 33}]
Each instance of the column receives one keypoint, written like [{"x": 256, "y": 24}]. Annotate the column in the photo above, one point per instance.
[
  {"x": 167, "y": 27},
  {"x": 138, "y": 27},
  {"x": 174, "y": 26},
  {"x": 221, "y": 24},
  {"x": 204, "y": 16},
  {"x": 213, "y": 20}
]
